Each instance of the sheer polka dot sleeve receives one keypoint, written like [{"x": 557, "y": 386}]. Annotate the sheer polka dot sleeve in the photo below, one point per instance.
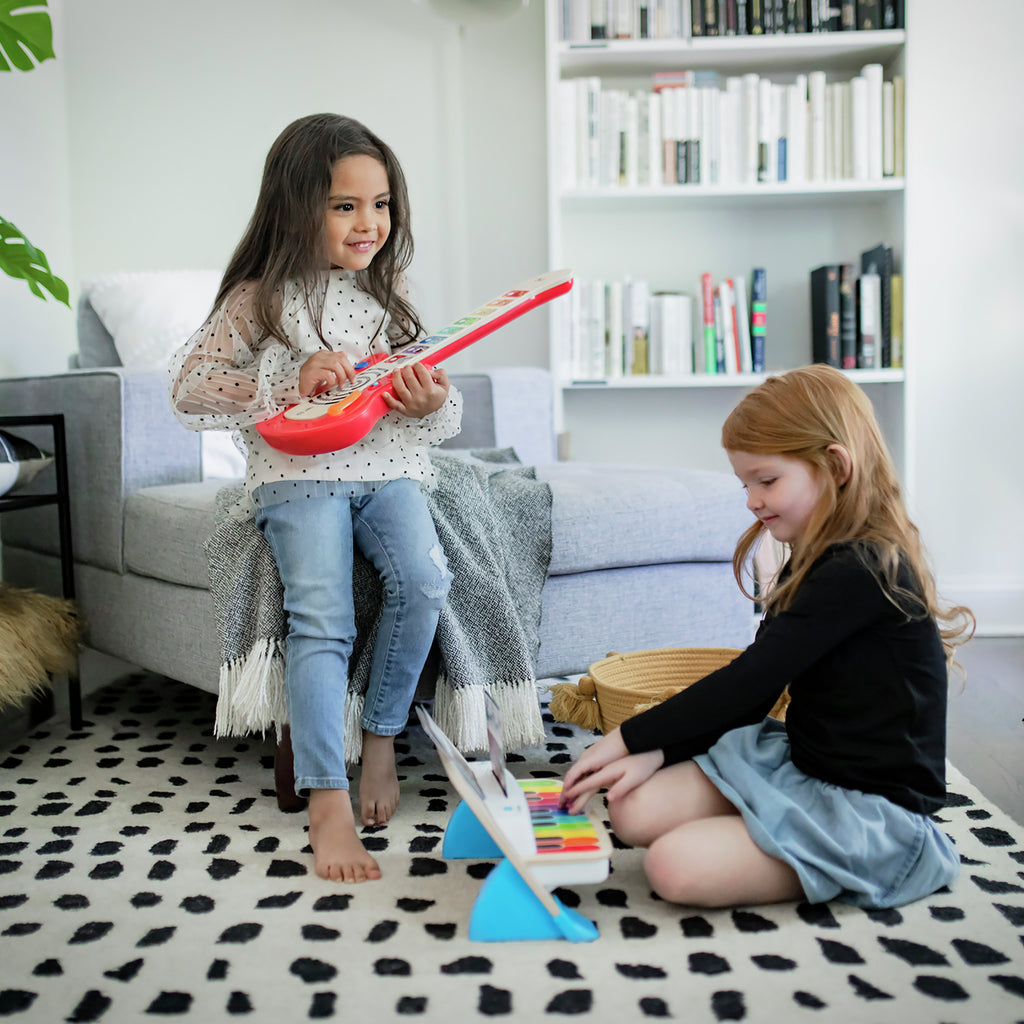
[{"x": 226, "y": 375}]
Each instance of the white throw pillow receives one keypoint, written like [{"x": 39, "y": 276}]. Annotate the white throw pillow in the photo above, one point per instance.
[{"x": 150, "y": 313}]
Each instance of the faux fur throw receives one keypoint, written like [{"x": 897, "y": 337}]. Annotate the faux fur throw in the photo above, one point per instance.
[{"x": 494, "y": 523}]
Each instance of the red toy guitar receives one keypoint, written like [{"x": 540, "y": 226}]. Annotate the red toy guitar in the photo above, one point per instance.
[{"x": 340, "y": 416}]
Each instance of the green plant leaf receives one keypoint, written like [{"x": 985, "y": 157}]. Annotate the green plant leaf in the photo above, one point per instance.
[
  {"x": 20, "y": 258},
  {"x": 25, "y": 32}
]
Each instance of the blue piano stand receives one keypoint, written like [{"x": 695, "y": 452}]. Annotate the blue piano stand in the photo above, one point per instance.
[{"x": 506, "y": 908}]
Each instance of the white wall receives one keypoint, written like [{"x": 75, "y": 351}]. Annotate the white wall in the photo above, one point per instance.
[
  {"x": 965, "y": 265},
  {"x": 36, "y": 336},
  {"x": 170, "y": 108}
]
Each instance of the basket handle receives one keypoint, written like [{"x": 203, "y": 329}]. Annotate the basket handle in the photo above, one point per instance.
[{"x": 576, "y": 703}]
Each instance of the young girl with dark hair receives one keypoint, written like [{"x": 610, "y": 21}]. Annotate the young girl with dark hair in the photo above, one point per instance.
[{"x": 314, "y": 286}]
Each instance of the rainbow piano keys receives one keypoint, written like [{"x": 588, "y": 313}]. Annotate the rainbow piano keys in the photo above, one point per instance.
[{"x": 555, "y": 829}]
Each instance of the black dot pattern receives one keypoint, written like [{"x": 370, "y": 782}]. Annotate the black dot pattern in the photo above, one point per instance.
[
  {"x": 184, "y": 893},
  {"x": 232, "y": 379}
]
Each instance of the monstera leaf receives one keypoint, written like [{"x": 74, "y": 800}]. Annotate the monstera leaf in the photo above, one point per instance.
[
  {"x": 26, "y": 39},
  {"x": 26, "y": 35},
  {"x": 20, "y": 258}
]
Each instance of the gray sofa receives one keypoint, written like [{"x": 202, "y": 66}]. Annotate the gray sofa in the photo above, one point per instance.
[{"x": 641, "y": 556}]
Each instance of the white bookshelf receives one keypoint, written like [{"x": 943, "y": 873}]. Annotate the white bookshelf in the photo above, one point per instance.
[{"x": 668, "y": 235}]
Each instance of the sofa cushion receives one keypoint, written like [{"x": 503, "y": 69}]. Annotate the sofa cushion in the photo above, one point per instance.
[
  {"x": 605, "y": 516},
  {"x": 165, "y": 528}
]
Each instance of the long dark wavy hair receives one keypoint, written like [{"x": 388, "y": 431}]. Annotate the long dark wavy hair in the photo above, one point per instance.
[
  {"x": 804, "y": 414},
  {"x": 285, "y": 237}
]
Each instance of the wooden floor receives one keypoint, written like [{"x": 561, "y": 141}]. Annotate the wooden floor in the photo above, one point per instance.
[{"x": 986, "y": 731}]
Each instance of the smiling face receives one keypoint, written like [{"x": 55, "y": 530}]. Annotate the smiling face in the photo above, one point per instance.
[
  {"x": 782, "y": 492},
  {"x": 358, "y": 219}
]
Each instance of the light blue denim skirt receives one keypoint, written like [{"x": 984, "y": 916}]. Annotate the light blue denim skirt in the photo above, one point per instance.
[{"x": 857, "y": 847}]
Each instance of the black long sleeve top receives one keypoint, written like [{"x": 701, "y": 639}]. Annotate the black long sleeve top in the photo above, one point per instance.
[{"x": 867, "y": 688}]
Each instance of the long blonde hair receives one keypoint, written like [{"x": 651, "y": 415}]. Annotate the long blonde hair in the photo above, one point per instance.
[{"x": 804, "y": 414}]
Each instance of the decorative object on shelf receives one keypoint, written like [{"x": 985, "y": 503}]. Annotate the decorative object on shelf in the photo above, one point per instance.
[
  {"x": 20, "y": 462},
  {"x": 40, "y": 637}
]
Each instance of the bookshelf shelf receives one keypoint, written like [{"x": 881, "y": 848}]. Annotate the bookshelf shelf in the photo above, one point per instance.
[
  {"x": 868, "y": 191},
  {"x": 722, "y": 380},
  {"x": 832, "y": 51},
  {"x": 669, "y": 235}
]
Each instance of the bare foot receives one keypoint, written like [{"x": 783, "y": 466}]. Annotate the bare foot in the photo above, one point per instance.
[
  {"x": 338, "y": 853},
  {"x": 378, "y": 783}
]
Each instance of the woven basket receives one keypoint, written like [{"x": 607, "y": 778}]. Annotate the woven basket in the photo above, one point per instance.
[{"x": 623, "y": 685}]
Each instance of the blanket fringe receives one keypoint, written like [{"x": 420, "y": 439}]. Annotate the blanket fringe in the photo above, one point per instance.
[
  {"x": 461, "y": 714},
  {"x": 251, "y": 692}
]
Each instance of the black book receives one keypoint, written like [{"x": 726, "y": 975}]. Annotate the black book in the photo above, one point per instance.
[
  {"x": 711, "y": 17},
  {"x": 755, "y": 17},
  {"x": 796, "y": 15},
  {"x": 869, "y": 15},
  {"x": 697, "y": 17},
  {"x": 890, "y": 14},
  {"x": 848, "y": 316},
  {"x": 848, "y": 15},
  {"x": 825, "y": 315},
  {"x": 831, "y": 16},
  {"x": 879, "y": 261}
]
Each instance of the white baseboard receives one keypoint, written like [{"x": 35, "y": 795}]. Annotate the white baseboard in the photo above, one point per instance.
[{"x": 998, "y": 607}]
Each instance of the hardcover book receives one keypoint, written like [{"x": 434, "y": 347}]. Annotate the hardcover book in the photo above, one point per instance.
[{"x": 825, "y": 313}]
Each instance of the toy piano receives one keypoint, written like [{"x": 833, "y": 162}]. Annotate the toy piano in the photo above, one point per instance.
[
  {"x": 541, "y": 845},
  {"x": 342, "y": 415}
]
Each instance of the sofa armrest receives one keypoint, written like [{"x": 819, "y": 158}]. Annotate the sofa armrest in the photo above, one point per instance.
[{"x": 121, "y": 436}]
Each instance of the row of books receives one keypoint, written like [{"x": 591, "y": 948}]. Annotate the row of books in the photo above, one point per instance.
[
  {"x": 857, "y": 313},
  {"x": 771, "y": 17},
  {"x": 690, "y": 128},
  {"x": 614, "y": 329},
  {"x": 591, "y": 20}
]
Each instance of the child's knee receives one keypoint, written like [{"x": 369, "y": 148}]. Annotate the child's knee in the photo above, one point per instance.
[{"x": 433, "y": 579}]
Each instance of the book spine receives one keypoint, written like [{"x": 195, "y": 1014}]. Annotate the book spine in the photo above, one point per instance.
[
  {"x": 743, "y": 324},
  {"x": 696, "y": 17},
  {"x": 708, "y": 310},
  {"x": 825, "y": 315},
  {"x": 716, "y": 304},
  {"x": 615, "y": 342},
  {"x": 637, "y": 308},
  {"x": 725, "y": 306},
  {"x": 816, "y": 141},
  {"x": 888, "y": 131},
  {"x": 896, "y": 307},
  {"x": 749, "y": 161},
  {"x": 598, "y": 19},
  {"x": 873, "y": 74},
  {"x": 764, "y": 129},
  {"x": 758, "y": 318},
  {"x": 755, "y": 17},
  {"x": 848, "y": 316},
  {"x": 869, "y": 15},
  {"x": 898, "y": 125},
  {"x": 869, "y": 316}
]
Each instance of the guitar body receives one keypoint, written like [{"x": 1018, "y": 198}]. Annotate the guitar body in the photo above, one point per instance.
[{"x": 340, "y": 416}]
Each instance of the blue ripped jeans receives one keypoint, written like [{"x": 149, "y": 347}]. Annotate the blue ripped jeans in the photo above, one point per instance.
[{"x": 312, "y": 538}]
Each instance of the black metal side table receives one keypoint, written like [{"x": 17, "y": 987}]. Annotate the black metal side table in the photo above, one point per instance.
[{"x": 61, "y": 498}]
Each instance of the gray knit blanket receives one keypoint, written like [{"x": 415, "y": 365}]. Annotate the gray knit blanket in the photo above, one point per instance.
[{"x": 493, "y": 518}]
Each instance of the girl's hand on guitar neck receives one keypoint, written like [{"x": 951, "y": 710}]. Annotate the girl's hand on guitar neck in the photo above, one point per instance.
[{"x": 418, "y": 390}]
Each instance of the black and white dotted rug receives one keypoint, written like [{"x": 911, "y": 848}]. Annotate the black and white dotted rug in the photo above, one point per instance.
[{"x": 146, "y": 873}]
